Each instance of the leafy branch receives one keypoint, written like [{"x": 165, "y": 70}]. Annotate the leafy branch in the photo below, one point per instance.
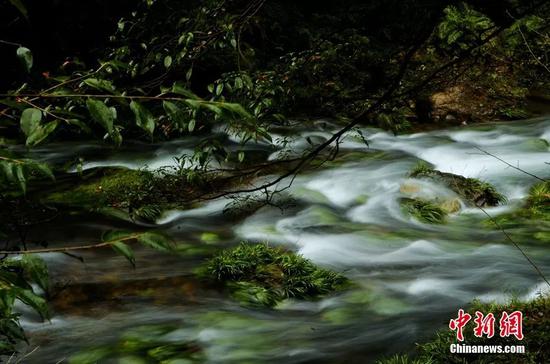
[{"x": 114, "y": 239}]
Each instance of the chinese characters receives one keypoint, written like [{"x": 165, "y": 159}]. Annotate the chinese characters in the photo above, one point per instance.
[{"x": 509, "y": 324}]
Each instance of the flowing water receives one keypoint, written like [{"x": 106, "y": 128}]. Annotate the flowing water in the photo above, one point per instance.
[{"x": 410, "y": 277}]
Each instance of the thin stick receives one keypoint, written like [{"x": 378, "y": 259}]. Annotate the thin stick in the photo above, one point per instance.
[
  {"x": 70, "y": 248},
  {"x": 511, "y": 165},
  {"x": 515, "y": 244}
]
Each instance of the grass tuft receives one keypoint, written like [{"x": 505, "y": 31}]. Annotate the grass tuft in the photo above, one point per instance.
[
  {"x": 425, "y": 211},
  {"x": 261, "y": 275}
]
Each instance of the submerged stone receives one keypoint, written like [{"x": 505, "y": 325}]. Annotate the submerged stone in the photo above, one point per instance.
[
  {"x": 260, "y": 275},
  {"x": 143, "y": 344}
]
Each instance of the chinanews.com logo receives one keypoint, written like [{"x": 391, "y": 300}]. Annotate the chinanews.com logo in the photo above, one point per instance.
[{"x": 510, "y": 324}]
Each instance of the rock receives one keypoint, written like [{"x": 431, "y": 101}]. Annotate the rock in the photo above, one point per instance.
[{"x": 472, "y": 190}]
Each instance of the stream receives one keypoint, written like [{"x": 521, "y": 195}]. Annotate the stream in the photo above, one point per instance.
[{"x": 409, "y": 277}]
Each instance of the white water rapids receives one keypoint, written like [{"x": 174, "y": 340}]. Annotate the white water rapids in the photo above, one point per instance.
[{"x": 410, "y": 277}]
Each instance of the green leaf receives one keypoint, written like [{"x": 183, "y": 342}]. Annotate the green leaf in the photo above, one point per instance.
[
  {"x": 30, "y": 120},
  {"x": 115, "y": 235},
  {"x": 101, "y": 114},
  {"x": 191, "y": 125},
  {"x": 37, "y": 270},
  {"x": 20, "y": 175},
  {"x": 125, "y": 251},
  {"x": 144, "y": 118},
  {"x": 41, "y": 168},
  {"x": 175, "y": 113},
  {"x": 235, "y": 108},
  {"x": 167, "y": 61},
  {"x": 241, "y": 156},
  {"x": 189, "y": 73},
  {"x": 41, "y": 133},
  {"x": 82, "y": 125},
  {"x": 10, "y": 278},
  {"x": 179, "y": 89},
  {"x": 29, "y": 298},
  {"x": 21, "y": 7},
  {"x": 155, "y": 241},
  {"x": 213, "y": 107},
  {"x": 99, "y": 84},
  {"x": 7, "y": 169},
  {"x": 11, "y": 329},
  {"x": 7, "y": 298},
  {"x": 25, "y": 56}
]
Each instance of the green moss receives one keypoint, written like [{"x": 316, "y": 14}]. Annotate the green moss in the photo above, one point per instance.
[
  {"x": 113, "y": 187},
  {"x": 424, "y": 211},
  {"x": 536, "y": 329},
  {"x": 472, "y": 190},
  {"x": 262, "y": 275},
  {"x": 132, "y": 194}
]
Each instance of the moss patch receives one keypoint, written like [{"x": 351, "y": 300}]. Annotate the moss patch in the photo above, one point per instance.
[
  {"x": 536, "y": 330},
  {"x": 261, "y": 275},
  {"x": 472, "y": 190},
  {"x": 139, "y": 194}
]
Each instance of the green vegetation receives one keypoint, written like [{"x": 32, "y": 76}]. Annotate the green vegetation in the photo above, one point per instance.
[
  {"x": 261, "y": 275},
  {"x": 472, "y": 190},
  {"x": 536, "y": 328},
  {"x": 425, "y": 211},
  {"x": 224, "y": 75},
  {"x": 534, "y": 213},
  {"x": 16, "y": 276},
  {"x": 538, "y": 202},
  {"x": 144, "y": 344},
  {"x": 138, "y": 194}
]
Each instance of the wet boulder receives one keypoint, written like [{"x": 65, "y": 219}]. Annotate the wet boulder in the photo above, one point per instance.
[{"x": 472, "y": 190}]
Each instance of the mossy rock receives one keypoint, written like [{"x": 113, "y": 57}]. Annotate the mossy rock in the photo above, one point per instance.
[
  {"x": 136, "y": 193},
  {"x": 472, "y": 190},
  {"x": 113, "y": 187},
  {"x": 536, "y": 329},
  {"x": 260, "y": 275}
]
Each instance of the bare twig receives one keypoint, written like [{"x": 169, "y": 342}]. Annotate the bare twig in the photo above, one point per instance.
[
  {"x": 511, "y": 165},
  {"x": 537, "y": 269},
  {"x": 71, "y": 248}
]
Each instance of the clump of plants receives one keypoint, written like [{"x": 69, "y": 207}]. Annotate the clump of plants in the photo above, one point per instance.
[
  {"x": 536, "y": 328},
  {"x": 424, "y": 211},
  {"x": 535, "y": 213},
  {"x": 538, "y": 202},
  {"x": 260, "y": 275},
  {"x": 472, "y": 190}
]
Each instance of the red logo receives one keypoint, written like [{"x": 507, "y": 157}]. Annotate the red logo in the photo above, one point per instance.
[
  {"x": 459, "y": 323},
  {"x": 509, "y": 324}
]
